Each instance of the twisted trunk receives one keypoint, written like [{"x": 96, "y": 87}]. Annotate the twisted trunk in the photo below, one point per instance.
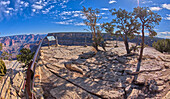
[
  {"x": 141, "y": 51},
  {"x": 126, "y": 45}
]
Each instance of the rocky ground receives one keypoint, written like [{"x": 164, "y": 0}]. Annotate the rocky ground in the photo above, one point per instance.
[
  {"x": 12, "y": 83},
  {"x": 77, "y": 72}
]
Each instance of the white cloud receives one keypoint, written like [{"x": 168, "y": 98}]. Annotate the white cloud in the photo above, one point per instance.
[
  {"x": 39, "y": 2},
  {"x": 37, "y": 6},
  {"x": 33, "y": 10},
  {"x": 83, "y": 17},
  {"x": 22, "y": 2},
  {"x": 6, "y": 12},
  {"x": 112, "y": 1},
  {"x": 62, "y": 22},
  {"x": 47, "y": 10},
  {"x": 67, "y": 22},
  {"x": 79, "y": 24},
  {"x": 102, "y": 13},
  {"x": 10, "y": 8},
  {"x": 76, "y": 15},
  {"x": 104, "y": 9},
  {"x": 146, "y": 1},
  {"x": 26, "y": 4},
  {"x": 155, "y": 8},
  {"x": 63, "y": 17},
  {"x": 73, "y": 14},
  {"x": 66, "y": 13},
  {"x": 104, "y": 17},
  {"x": 166, "y": 6},
  {"x": 165, "y": 33},
  {"x": 82, "y": 2},
  {"x": 5, "y": 2},
  {"x": 70, "y": 20},
  {"x": 168, "y": 17}
]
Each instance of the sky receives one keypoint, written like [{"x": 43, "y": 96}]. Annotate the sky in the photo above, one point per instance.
[{"x": 45, "y": 16}]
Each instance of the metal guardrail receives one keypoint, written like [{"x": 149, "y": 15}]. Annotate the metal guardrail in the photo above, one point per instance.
[{"x": 30, "y": 73}]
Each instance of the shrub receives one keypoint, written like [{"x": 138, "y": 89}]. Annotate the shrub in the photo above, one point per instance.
[
  {"x": 25, "y": 56},
  {"x": 162, "y": 45},
  {"x": 2, "y": 67}
]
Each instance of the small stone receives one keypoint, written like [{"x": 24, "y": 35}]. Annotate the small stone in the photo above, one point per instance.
[
  {"x": 160, "y": 82},
  {"x": 134, "y": 94},
  {"x": 159, "y": 88},
  {"x": 167, "y": 65},
  {"x": 121, "y": 60},
  {"x": 140, "y": 79}
]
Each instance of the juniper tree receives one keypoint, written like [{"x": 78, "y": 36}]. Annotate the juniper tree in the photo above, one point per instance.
[
  {"x": 2, "y": 64},
  {"x": 92, "y": 19},
  {"x": 127, "y": 25},
  {"x": 109, "y": 28},
  {"x": 148, "y": 20},
  {"x": 25, "y": 56},
  {"x": 0, "y": 46}
]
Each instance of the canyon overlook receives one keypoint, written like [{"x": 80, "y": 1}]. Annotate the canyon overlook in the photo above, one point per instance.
[{"x": 13, "y": 44}]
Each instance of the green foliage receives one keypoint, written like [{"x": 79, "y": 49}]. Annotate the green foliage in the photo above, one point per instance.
[
  {"x": 2, "y": 67},
  {"x": 148, "y": 19},
  {"x": 92, "y": 19},
  {"x": 126, "y": 23},
  {"x": 25, "y": 56},
  {"x": 6, "y": 56},
  {"x": 127, "y": 26},
  {"x": 109, "y": 28},
  {"x": 2, "y": 64},
  {"x": 1, "y": 46},
  {"x": 162, "y": 45}
]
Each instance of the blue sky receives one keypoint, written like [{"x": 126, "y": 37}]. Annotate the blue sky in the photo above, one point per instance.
[{"x": 44, "y": 16}]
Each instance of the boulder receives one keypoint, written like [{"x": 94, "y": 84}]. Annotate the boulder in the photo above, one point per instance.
[
  {"x": 136, "y": 94},
  {"x": 73, "y": 67},
  {"x": 87, "y": 55}
]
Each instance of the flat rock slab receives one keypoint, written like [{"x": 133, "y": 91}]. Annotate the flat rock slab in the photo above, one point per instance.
[
  {"x": 92, "y": 74},
  {"x": 151, "y": 65}
]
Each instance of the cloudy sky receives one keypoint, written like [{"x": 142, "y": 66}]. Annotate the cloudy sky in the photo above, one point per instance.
[{"x": 44, "y": 16}]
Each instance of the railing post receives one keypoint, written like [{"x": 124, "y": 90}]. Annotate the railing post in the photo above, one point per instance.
[
  {"x": 56, "y": 41},
  {"x": 30, "y": 74},
  {"x": 28, "y": 82}
]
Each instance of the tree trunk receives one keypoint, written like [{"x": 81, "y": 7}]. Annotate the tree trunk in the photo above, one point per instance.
[
  {"x": 126, "y": 45},
  {"x": 141, "y": 51},
  {"x": 116, "y": 42}
]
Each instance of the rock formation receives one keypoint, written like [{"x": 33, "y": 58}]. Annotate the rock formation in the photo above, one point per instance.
[{"x": 80, "y": 72}]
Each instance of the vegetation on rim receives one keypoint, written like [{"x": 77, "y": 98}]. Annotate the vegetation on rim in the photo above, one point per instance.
[
  {"x": 92, "y": 19},
  {"x": 2, "y": 64},
  {"x": 25, "y": 56},
  {"x": 127, "y": 24},
  {"x": 162, "y": 45},
  {"x": 148, "y": 20}
]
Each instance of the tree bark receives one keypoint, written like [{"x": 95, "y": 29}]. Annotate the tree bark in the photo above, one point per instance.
[
  {"x": 126, "y": 45},
  {"x": 141, "y": 51}
]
